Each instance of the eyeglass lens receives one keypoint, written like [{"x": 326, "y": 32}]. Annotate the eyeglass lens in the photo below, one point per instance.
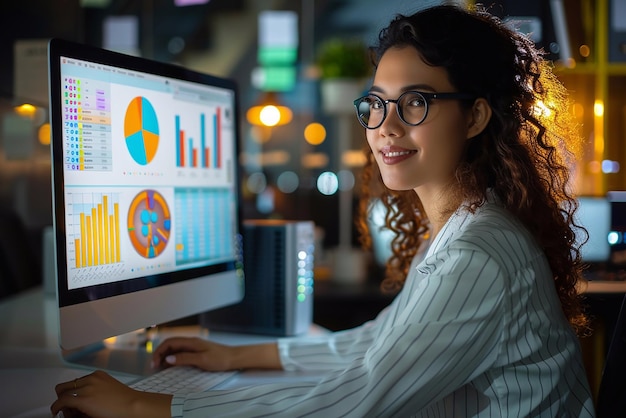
[{"x": 411, "y": 107}]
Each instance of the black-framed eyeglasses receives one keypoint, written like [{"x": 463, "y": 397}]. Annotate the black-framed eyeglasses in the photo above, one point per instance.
[{"x": 412, "y": 107}]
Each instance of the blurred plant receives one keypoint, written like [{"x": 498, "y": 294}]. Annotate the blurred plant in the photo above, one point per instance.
[{"x": 343, "y": 58}]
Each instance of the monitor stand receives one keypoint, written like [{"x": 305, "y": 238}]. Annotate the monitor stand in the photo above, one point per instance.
[{"x": 129, "y": 353}]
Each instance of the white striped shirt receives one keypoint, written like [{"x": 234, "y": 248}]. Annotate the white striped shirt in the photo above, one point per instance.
[{"x": 477, "y": 331}]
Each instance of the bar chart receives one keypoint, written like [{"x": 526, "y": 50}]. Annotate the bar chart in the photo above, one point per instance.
[
  {"x": 203, "y": 149},
  {"x": 94, "y": 226}
]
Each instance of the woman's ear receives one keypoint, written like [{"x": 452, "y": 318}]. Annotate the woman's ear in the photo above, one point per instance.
[{"x": 479, "y": 117}]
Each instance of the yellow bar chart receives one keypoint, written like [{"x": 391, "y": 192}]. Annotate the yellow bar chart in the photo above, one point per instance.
[{"x": 95, "y": 223}]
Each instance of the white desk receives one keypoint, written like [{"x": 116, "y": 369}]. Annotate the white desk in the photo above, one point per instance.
[
  {"x": 30, "y": 360},
  {"x": 31, "y": 363}
]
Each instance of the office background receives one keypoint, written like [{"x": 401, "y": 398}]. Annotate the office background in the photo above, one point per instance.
[
  {"x": 304, "y": 166},
  {"x": 289, "y": 170}
]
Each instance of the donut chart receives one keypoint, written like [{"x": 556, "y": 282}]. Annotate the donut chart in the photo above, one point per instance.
[
  {"x": 149, "y": 223},
  {"x": 141, "y": 130}
]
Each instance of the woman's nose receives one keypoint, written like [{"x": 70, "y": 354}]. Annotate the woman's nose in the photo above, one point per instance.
[{"x": 392, "y": 124}]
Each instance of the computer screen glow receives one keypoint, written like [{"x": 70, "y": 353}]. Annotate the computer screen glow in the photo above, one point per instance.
[{"x": 146, "y": 197}]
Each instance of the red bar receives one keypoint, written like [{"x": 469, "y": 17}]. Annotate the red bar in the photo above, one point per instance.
[
  {"x": 219, "y": 138},
  {"x": 194, "y": 153},
  {"x": 206, "y": 158},
  {"x": 182, "y": 148}
]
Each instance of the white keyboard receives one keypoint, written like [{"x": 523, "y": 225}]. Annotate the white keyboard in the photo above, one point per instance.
[{"x": 181, "y": 379}]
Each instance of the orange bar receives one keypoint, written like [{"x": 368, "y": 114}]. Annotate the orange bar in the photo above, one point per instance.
[
  {"x": 116, "y": 210},
  {"x": 94, "y": 231},
  {"x": 83, "y": 247},
  {"x": 107, "y": 249},
  {"x": 100, "y": 234},
  {"x": 112, "y": 237},
  {"x": 89, "y": 241},
  {"x": 194, "y": 157},
  {"x": 77, "y": 252}
]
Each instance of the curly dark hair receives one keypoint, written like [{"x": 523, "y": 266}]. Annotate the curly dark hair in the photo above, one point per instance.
[{"x": 523, "y": 155}]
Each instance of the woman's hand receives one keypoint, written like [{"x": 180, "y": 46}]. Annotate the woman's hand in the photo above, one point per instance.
[
  {"x": 98, "y": 395},
  {"x": 193, "y": 351},
  {"x": 211, "y": 356}
]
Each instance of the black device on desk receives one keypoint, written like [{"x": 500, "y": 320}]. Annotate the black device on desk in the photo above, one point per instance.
[
  {"x": 278, "y": 265},
  {"x": 146, "y": 195}
]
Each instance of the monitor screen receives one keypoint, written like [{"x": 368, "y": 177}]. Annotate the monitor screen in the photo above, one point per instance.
[
  {"x": 617, "y": 236},
  {"x": 145, "y": 192},
  {"x": 594, "y": 213}
]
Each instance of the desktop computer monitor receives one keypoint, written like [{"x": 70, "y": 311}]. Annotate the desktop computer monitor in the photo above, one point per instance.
[
  {"x": 617, "y": 236},
  {"x": 145, "y": 192},
  {"x": 594, "y": 214}
]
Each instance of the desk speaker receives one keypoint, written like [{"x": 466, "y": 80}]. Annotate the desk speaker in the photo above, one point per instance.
[{"x": 278, "y": 268}]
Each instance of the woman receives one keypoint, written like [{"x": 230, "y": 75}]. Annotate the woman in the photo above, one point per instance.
[{"x": 461, "y": 121}]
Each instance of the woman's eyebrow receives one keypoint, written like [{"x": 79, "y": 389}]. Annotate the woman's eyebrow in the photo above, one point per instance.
[{"x": 418, "y": 87}]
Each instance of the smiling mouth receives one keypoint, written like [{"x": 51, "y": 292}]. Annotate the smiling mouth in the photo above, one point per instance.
[
  {"x": 394, "y": 157},
  {"x": 394, "y": 154}
]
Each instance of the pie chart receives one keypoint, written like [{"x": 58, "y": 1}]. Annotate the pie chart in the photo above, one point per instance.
[
  {"x": 149, "y": 223},
  {"x": 141, "y": 130}
]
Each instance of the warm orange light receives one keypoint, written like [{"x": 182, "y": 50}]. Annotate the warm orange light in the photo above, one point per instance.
[
  {"x": 598, "y": 126},
  {"x": 274, "y": 158},
  {"x": 110, "y": 341},
  {"x": 269, "y": 115},
  {"x": 25, "y": 110},
  {"x": 315, "y": 133},
  {"x": 598, "y": 108},
  {"x": 353, "y": 158},
  {"x": 314, "y": 160},
  {"x": 584, "y": 50},
  {"x": 44, "y": 134},
  {"x": 269, "y": 112}
]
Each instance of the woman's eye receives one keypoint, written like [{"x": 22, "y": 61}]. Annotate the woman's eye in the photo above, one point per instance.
[
  {"x": 376, "y": 104},
  {"x": 416, "y": 102}
]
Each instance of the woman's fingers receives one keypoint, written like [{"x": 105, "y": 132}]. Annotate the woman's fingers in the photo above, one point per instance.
[{"x": 176, "y": 345}]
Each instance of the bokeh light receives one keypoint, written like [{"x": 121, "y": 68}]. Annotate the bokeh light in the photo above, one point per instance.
[
  {"x": 270, "y": 115},
  {"x": 327, "y": 183},
  {"x": 315, "y": 133},
  {"x": 44, "y": 134},
  {"x": 288, "y": 182},
  {"x": 346, "y": 180},
  {"x": 256, "y": 182}
]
